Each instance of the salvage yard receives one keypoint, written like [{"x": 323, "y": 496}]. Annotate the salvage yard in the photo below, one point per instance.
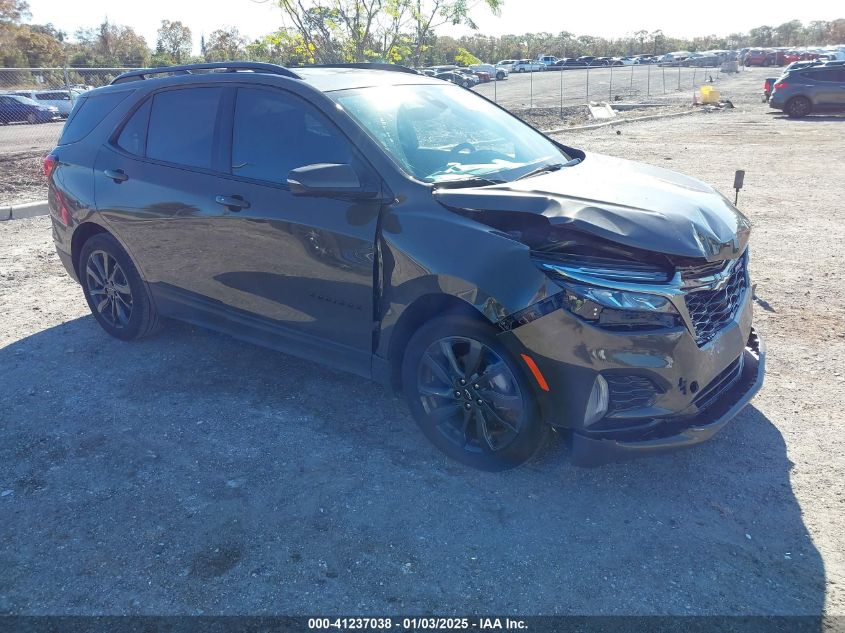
[{"x": 191, "y": 473}]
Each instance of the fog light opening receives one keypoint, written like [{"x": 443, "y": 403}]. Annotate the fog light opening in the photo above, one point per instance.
[{"x": 598, "y": 401}]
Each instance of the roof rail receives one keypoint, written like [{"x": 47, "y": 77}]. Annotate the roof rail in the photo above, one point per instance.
[
  {"x": 187, "y": 69},
  {"x": 397, "y": 68}
]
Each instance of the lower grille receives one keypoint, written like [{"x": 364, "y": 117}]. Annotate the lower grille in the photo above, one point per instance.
[
  {"x": 712, "y": 310},
  {"x": 629, "y": 392},
  {"x": 719, "y": 385}
]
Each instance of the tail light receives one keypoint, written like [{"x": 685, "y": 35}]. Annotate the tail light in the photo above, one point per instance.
[
  {"x": 50, "y": 163},
  {"x": 781, "y": 85}
]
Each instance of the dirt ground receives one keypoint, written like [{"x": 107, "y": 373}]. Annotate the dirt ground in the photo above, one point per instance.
[{"x": 191, "y": 473}]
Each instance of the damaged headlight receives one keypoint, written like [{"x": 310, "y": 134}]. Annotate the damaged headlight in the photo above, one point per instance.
[
  {"x": 619, "y": 309},
  {"x": 613, "y": 308}
]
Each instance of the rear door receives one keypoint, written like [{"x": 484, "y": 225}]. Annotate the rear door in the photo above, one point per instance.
[{"x": 155, "y": 182}]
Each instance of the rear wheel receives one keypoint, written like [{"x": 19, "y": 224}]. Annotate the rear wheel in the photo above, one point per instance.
[
  {"x": 469, "y": 396},
  {"x": 500, "y": 75},
  {"x": 116, "y": 294},
  {"x": 798, "y": 107}
]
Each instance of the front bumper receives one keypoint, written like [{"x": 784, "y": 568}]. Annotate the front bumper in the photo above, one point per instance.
[
  {"x": 674, "y": 433},
  {"x": 666, "y": 390}
]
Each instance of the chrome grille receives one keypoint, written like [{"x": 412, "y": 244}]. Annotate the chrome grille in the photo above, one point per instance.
[{"x": 712, "y": 310}]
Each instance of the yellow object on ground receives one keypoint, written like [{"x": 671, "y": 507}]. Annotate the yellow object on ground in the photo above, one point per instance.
[{"x": 709, "y": 94}]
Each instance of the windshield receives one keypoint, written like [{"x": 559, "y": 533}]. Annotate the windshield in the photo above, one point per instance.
[{"x": 446, "y": 133}]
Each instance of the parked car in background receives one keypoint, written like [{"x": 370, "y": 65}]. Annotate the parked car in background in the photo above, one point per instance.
[
  {"x": 15, "y": 109},
  {"x": 507, "y": 64},
  {"x": 528, "y": 66},
  {"x": 496, "y": 72},
  {"x": 775, "y": 58},
  {"x": 755, "y": 57},
  {"x": 483, "y": 76},
  {"x": 586, "y": 59},
  {"x": 768, "y": 86},
  {"x": 623, "y": 61},
  {"x": 457, "y": 78},
  {"x": 700, "y": 60},
  {"x": 567, "y": 63},
  {"x": 810, "y": 90},
  {"x": 601, "y": 61},
  {"x": 466, "y": 72},
  {"x": 62, "y": 100},
  {"x": 547, "y": 60}
]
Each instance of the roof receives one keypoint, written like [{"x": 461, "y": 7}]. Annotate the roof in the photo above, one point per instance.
[{"x": 324, "y": 78}]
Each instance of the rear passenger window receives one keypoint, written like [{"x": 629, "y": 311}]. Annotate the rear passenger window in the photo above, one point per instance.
[
  {"x": 89, "y": 111},
  {"x": 182, "y": 125},
  {"x": 133, "y": 137},
  {"x": 275, "y": 132}
]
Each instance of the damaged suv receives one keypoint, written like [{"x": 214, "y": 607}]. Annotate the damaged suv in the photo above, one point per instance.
[{"x": 407, "y": 230}]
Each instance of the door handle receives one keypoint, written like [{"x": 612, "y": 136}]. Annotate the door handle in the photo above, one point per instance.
[
  {"x": 233, "y": 203},
  {"x": 118, "y": 175}
]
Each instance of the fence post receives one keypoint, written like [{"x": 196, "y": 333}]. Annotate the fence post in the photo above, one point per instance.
[
  {"x": 679, "y": 75},
  {"x": 663, "y": 68},
  {"x": 610, "y": 90},
  {"x": 588, "y": 84},
  {"x": 648, "y": 82},
  {"x": 531, "y": 84},
  {"x": 631, "y": 87},
  {"x": 561, "y": 92},
  {"x": 495, "y": 90}
]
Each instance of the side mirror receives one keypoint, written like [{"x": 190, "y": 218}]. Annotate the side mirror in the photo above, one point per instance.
[{"x": 328, "y": 180}]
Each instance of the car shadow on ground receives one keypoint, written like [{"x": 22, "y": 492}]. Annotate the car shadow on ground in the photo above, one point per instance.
[
  {"x": 193, "y": 473},
  {"x": 811, "y": 118}
]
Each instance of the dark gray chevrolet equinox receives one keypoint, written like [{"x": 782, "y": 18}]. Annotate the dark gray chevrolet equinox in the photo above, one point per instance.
[{"x": 409, "y": 230}]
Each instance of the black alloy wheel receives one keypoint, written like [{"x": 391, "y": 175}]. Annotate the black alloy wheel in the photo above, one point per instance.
[
  {"x": 117, "y": 296},
  {"x": 469, "y": 397},
  {"x": 798, "y": 107},
  {"x": 108, "y": 287}
]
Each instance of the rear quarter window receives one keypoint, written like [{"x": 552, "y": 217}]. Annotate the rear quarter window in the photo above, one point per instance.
[{"x": 88, "y": 112}]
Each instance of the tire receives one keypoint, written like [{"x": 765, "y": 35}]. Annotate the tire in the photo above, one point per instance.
[
  {"x": 520, "y": 70},
  {"x": 460, "y": 418},
  {"x": 499, "y": 76},
  {"x": 117, "y": 296},
  {"x": 798, "y": 107}
]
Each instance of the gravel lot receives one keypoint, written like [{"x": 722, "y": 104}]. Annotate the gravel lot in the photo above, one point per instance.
[{"x": 191, "y": 473}]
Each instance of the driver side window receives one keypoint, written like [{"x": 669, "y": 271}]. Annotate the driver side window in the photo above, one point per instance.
[{"x": 275, "y": 132}]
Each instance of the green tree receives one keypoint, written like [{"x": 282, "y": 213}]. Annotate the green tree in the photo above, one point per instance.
[
  {"x": 225, "y": 44},
  {"x": 175, "y": 41}
]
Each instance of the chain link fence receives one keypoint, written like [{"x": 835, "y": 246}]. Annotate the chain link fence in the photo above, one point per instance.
[
  {"x": 575, "y": 86},
  {"x": 27, "y": 134},
  {"x": 34, "y": 102}
]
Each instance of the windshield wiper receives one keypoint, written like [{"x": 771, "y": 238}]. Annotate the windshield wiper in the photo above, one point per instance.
[
  {"x": 552, "y": 167},
  {"x": 475, "y": 181}
]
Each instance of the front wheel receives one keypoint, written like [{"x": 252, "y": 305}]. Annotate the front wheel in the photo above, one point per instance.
[
  {"x": 470, "y": 398},
  {"x": 116, "y": 294},
  {"x": 500, "y": 76},
  {"x": 798, "y": 107}
]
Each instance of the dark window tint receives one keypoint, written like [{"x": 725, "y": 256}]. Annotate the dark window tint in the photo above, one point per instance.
[
  {"x": 182, "y": 124},
  {"x": 53, "y": 96},
  {"x": 88, "y": 112},
  {"x": 275, "y": 132},
  {"x": 133, "y": 137}
]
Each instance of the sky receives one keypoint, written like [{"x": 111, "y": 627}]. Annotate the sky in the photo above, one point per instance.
[{"x": 608, "y": 18}]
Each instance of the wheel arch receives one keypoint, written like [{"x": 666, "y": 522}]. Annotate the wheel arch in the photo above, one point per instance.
[
  {"x": 413, "y": 317},
  {"x": 82, "y": 234}
]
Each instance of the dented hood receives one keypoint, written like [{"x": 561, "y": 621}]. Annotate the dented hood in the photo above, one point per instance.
[{"x": 630, "y": 203}]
